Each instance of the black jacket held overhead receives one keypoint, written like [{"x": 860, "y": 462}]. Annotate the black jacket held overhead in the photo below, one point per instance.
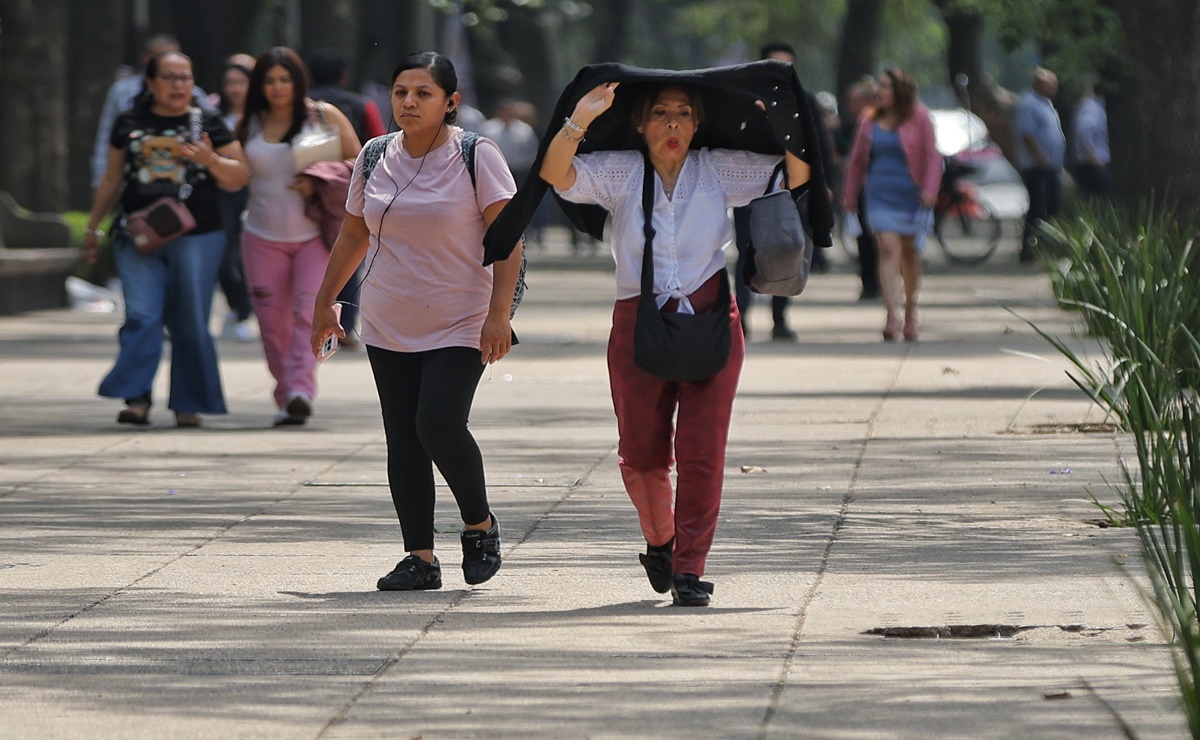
[{"x": 732, "y": 120}]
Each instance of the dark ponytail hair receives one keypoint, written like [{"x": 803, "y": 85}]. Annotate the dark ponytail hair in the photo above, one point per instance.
[
  {"x": 145, "y": 99},
  {"x": 440, "y": 68},
  {"x": 256, "y": 99}
]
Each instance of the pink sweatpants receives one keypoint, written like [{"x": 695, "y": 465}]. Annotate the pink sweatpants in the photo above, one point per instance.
[
  {"x": 284, "y": 278},
  {"x": 646, "y": 408}
]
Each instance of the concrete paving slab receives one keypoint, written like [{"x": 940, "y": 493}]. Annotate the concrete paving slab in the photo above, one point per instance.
[{"x": 219, "y": 582}]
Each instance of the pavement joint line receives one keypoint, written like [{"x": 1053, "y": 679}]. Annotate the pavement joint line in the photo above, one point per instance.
[
  {"x": 24, "y": 485},
  {"x": 393, "y": 660},
  {"x": 823, "y": 566},
  {"x": 221, "y": 532},
  {"x": 439, "y": 618}
]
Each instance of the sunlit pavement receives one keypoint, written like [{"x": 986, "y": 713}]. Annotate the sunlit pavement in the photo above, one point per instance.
[{"x": 907, "y": 545}]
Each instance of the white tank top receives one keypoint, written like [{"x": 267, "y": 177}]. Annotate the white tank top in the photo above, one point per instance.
[{"x": 275, "y": 212}]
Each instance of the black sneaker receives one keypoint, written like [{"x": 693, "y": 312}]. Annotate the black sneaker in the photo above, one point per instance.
[
  {"x": 412, "y": 574},
  {"x": 689, "y": 590},
  {"x": 657, "y": 562},
  {"x": 481, "y": 553}
]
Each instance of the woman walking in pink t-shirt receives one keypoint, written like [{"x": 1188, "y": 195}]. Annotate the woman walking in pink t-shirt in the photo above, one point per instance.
[{"x": 432, "y": 316}]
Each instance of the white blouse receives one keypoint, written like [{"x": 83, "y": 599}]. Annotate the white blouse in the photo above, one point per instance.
[{"x": 692, "y": 228}]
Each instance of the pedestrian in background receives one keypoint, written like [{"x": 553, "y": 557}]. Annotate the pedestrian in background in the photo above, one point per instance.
[
  {"x": 329, "y": 75},
  {"x": 1090, "y": 145},
  {"x": 231, "y": 103},
  {"x": 780, "y": 331},
  {"x": 432, "y": 316},
  {"x": 895, "y": 161},
  {"x": 1041, "y": 149},
  {"x": 120, "y": 98},
  {"x": 282, "y": 248},
  {"x": 860, "y": 98},
  {"x": 153, "y": 154}
]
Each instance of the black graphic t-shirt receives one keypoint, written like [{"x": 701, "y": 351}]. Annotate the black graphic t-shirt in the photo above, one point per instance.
[{"x": 154, "y": 166}]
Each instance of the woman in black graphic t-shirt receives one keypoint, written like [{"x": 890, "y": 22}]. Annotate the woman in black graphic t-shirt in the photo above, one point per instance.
[{"x": 155, "y": 154}]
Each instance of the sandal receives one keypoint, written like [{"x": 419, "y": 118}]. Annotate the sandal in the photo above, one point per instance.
[
  {"x": 187, "y": 419},
  {"x": 891, "y": 329},
  {"x": 136, "y": 412}
]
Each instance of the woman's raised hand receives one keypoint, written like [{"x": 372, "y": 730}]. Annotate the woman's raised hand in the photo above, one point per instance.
[{"x": 594, "y": 103}]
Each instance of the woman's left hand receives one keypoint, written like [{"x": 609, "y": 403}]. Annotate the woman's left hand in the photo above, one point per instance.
[
  {"x": 496, "y": 338},
  {"x": 929, "y": 201},
  {"x": 200, "y": 152},
  {"x": 303, "y": 184}
]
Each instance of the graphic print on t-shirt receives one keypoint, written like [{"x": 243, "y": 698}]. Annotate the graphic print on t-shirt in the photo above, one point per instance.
[{"x": 157, "y": 163}]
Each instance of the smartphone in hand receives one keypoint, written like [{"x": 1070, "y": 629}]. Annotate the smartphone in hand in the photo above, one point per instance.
[{"x": 330, "y": 345}]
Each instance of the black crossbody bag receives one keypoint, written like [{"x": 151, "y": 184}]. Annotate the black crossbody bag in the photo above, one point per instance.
[{"x": 676, "y": 346}]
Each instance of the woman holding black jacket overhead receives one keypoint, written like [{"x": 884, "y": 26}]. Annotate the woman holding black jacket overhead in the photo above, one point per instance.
[{"x": 689, "y": 188}]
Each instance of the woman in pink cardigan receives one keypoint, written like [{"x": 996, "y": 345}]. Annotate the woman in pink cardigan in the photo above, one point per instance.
[{"x": 895, "y": 158}]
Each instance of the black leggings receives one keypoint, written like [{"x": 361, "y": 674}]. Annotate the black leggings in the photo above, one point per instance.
[{"x": 426, "y": 400}]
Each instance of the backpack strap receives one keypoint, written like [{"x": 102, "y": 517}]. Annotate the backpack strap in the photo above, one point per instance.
[
  {"x": 469, "y": 141},
  {"x": 374, "y": 152}
]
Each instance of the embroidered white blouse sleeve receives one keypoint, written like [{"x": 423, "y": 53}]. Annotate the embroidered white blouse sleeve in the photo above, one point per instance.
[{"x": 742, "y": 175}]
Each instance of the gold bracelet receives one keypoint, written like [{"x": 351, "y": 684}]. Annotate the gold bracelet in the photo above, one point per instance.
[{"x": 567, "y": 133}]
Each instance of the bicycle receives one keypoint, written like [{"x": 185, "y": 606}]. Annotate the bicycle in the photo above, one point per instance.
[{"x": 966, "y": 228}]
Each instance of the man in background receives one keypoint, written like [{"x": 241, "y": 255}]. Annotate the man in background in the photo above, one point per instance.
[
  {"x": 1089, "y": 145},
  {"x": 329, "y": 77},
  {"x": 1041, "y": 151}
]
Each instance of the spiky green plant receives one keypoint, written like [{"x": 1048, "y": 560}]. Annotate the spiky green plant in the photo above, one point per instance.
[{"x": 1133, "y": 283}]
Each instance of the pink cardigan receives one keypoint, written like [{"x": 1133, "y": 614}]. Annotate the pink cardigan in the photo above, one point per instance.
[{"x": 920, "y": 150}]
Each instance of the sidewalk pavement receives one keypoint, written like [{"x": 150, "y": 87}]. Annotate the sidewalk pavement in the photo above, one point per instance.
[{"x": 219, "y": 582}]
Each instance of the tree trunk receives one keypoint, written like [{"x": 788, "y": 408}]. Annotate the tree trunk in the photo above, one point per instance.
[
  {"x": 613, "y": 30},
  {"x": 386, "y": 32},
  {"x": 92, "y": 61},
  {"x": 211, "y": 31},
  {"x": 33, "y": 119},
  {"x": 1161, "y": 36},
  {"x": 526, "y": 40},
  {"x": 330, "y": 24},
  {"x": 992, "y": 103},
  {"x": 860, "y": 38}
]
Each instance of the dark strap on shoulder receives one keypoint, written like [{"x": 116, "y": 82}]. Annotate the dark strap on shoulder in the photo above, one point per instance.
[
  {"x": 374, "y": 152},
  {"x": 648, "y": 227},
  {"x": 780, "y": 168},
  {"x": 469, "y": 140}
]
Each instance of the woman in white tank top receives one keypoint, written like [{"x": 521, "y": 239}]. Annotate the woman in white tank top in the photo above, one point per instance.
[{"x": 284, "y": 255}]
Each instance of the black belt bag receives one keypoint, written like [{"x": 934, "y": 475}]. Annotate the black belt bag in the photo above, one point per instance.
[{"x": 676, "y": 346}]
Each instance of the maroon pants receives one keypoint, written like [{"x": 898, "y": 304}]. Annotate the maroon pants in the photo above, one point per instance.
[{"x": 646, "y": 409}]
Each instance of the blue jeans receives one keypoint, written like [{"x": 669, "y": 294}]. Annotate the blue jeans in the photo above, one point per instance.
[{"x": 172, "y": 287}]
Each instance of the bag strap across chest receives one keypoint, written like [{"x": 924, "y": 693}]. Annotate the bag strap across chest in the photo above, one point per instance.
[{"x": 648, "y": 226}]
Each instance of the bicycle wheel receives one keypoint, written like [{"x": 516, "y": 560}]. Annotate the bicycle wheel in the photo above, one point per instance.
[{"x": 968, "y": 239}]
